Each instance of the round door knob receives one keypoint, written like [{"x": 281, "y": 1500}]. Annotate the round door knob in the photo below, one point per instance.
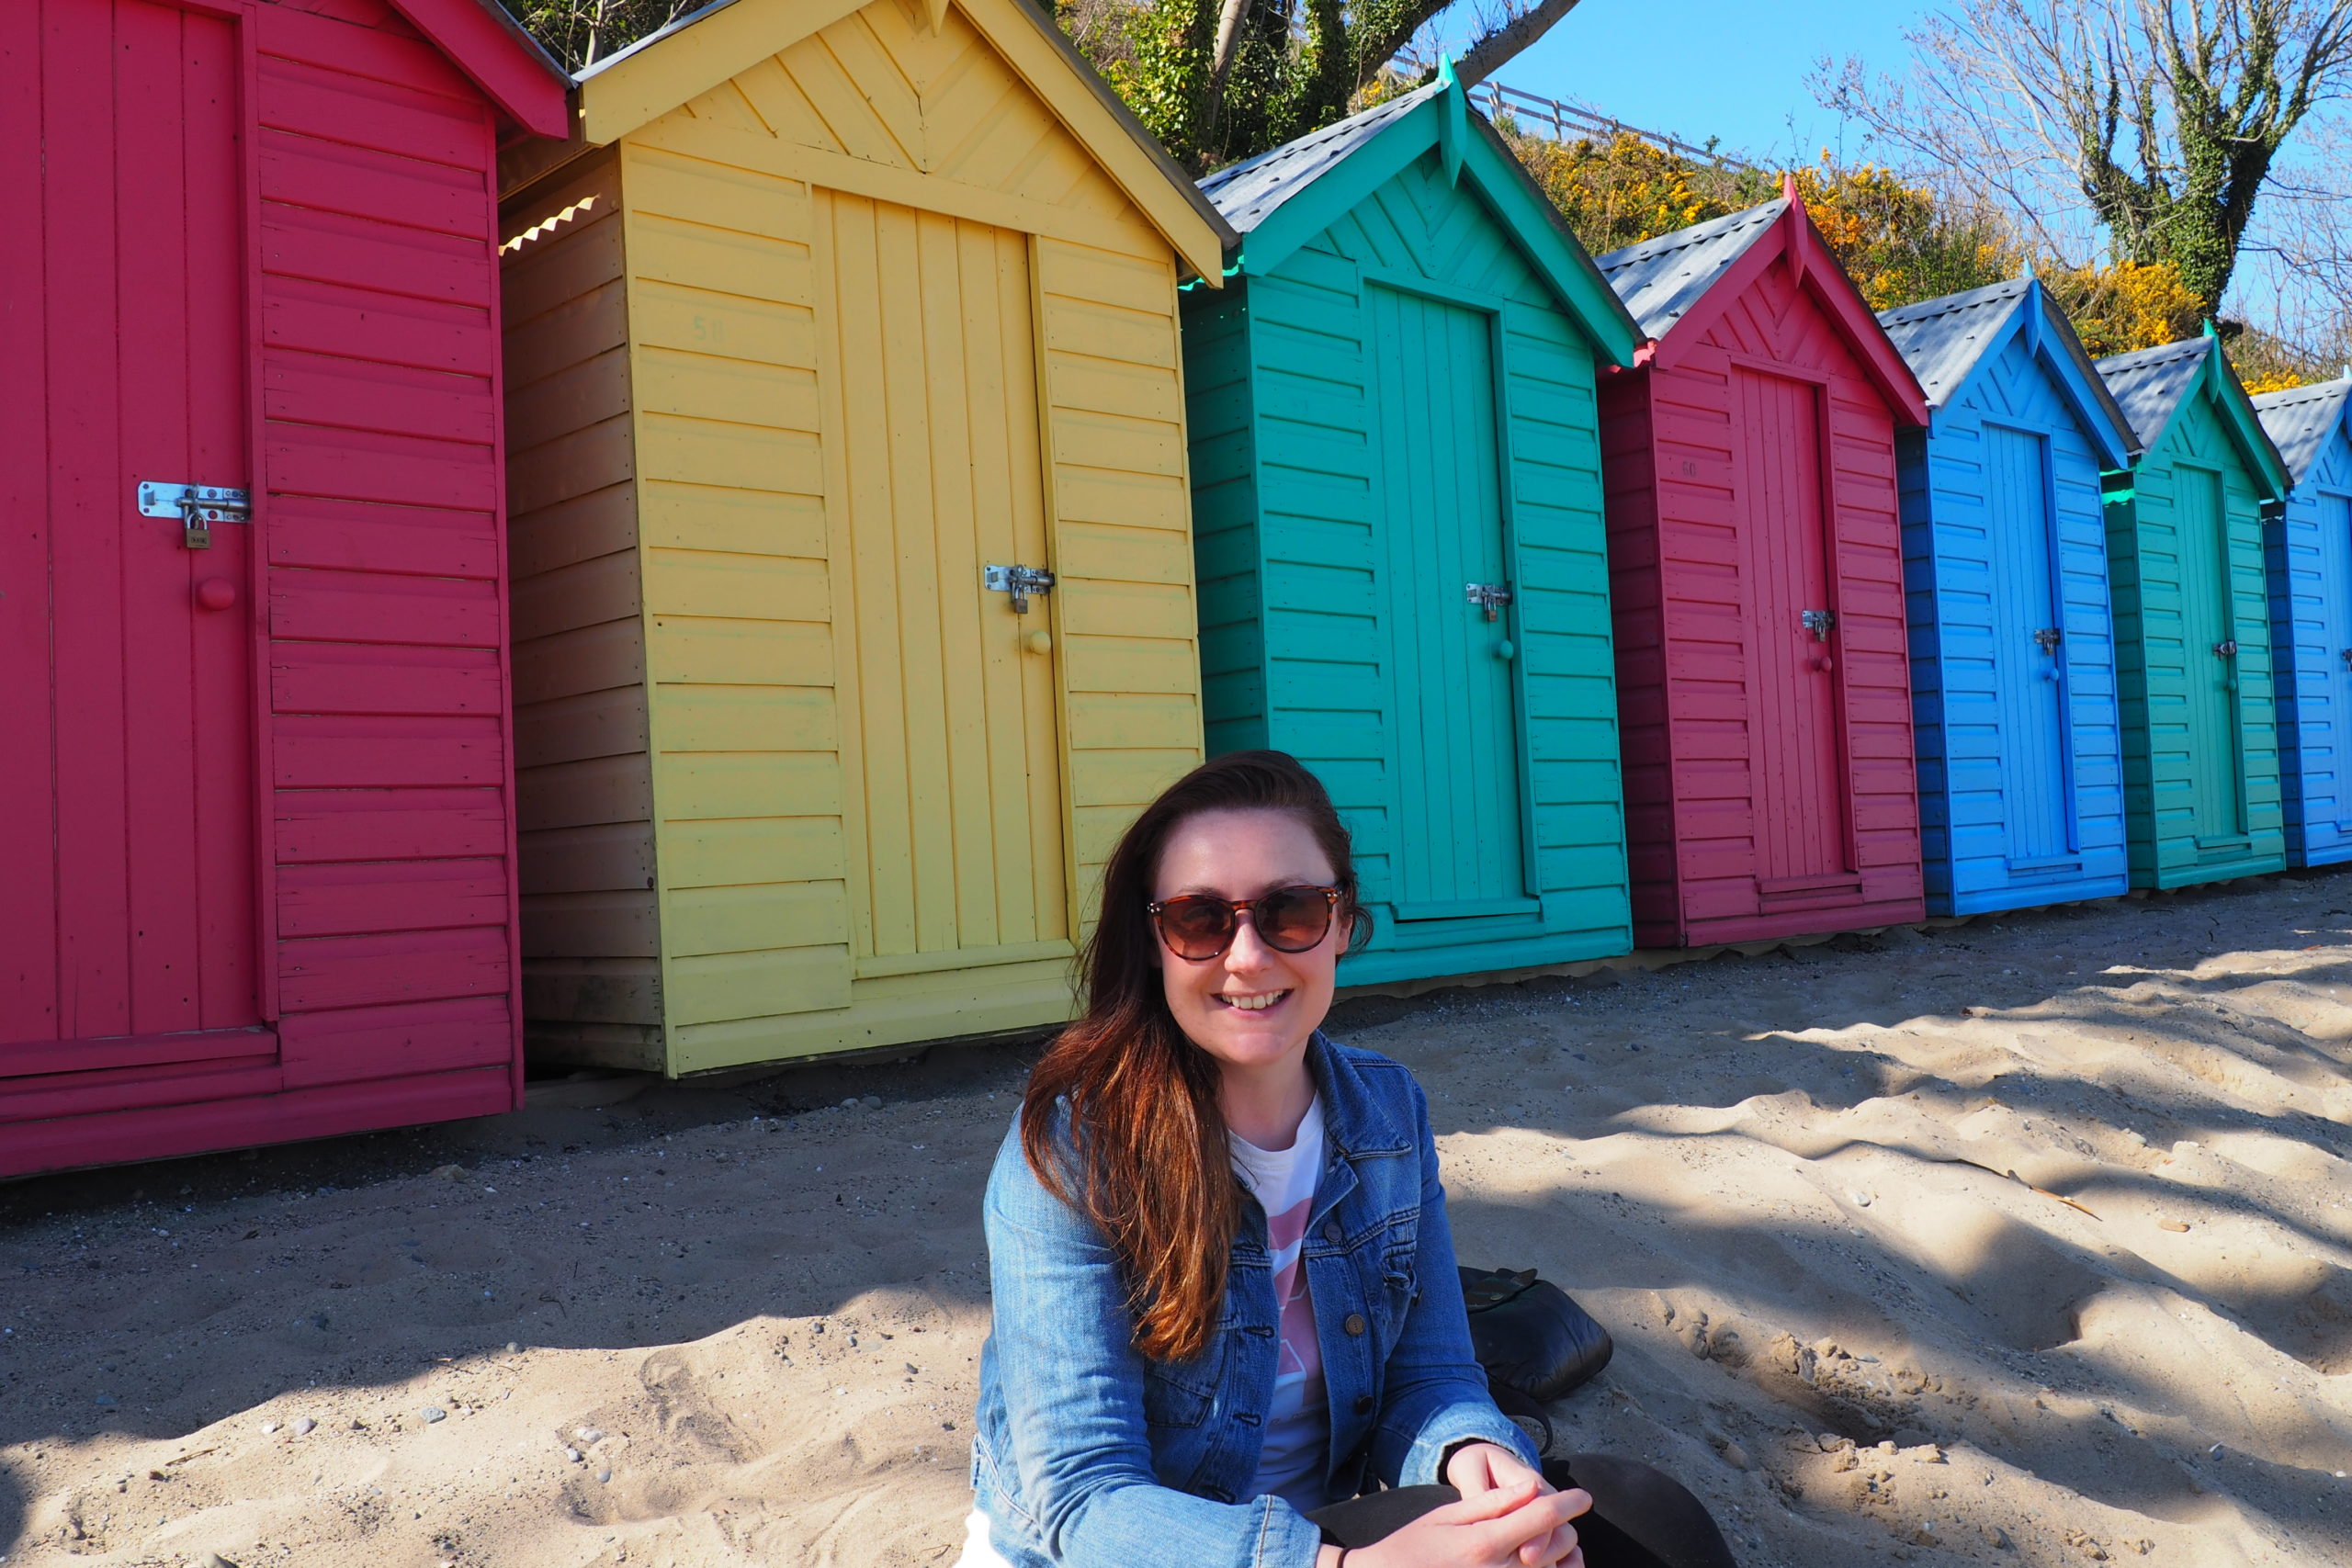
[
  {"x": 1823, "y": 664},
  {"x": 1504, "y": 650},
  {"x": 1039, "y": 641},
  {"x": 215, "y": 593}
]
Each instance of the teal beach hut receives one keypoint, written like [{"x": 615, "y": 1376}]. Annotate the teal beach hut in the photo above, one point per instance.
[
  {"x": 1396, "y": 496},
  {"x": 2310, "y": 616},
  {"x": 2193, "y": 622},
  {"x": 2013, "y": 692}
]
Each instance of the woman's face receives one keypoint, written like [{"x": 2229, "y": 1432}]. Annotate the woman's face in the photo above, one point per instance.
[{"x": 1249, "y": 1006}]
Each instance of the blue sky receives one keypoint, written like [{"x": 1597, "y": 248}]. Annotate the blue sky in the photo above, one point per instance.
[{"x": 1702, "y": 68}]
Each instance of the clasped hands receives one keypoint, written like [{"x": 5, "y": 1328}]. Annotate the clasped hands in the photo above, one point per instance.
[{"x": 1510, "y": 1517}]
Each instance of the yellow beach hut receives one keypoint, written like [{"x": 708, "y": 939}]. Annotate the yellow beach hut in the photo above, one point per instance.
[{"x": 852, "y": 555}]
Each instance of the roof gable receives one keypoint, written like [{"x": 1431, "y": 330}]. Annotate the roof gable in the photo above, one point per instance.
[
  {"x": 1661, "y": 279},
  {"x": 1679, "y": 284},
  {"x": 2152, "y": 385},
  {"x": 2300, "y": 420},
  {"x": 719, "y": 42},
  {"x": 1281, "y": 200},
  {"x": 499, "y": 57},
  {"x": 1947, "y": 341}
]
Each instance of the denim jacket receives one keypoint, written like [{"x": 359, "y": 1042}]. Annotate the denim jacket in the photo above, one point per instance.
[{"x": 1088, "y": 1456}]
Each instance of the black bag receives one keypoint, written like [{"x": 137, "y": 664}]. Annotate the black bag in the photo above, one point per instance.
[{"x": 1534, "y": 1341}]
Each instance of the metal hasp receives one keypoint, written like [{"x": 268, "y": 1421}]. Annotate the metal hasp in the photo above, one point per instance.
[
  {"x": 196, "y": 506},
  {"x": 1818, "y": 623},
  {"x": 2227, "y": 649},
  {"x": 1017, "y": 581},
  {"x": 1489, "y": 596},
  {"x": 2048, "y": 639},
  {"x": 2347, "y": 658}
]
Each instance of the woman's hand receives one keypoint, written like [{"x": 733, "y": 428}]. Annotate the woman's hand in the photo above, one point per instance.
[
  {"x": 1516, "y": 1525},
  {"x": 1476, "y": 1468}
]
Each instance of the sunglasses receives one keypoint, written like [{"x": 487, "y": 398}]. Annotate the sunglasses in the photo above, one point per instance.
[{"x": 1200, "y": 926}]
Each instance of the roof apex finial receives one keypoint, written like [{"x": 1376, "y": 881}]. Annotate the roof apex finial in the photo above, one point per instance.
[
  {"x": 1789, "y": 188},
  {"x": 1445, "y": 72},
  {"x": 2207, "y": 330}
]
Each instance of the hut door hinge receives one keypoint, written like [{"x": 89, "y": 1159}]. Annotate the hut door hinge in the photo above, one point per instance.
[
  {"x": 2347, "y": 658},
  {"x": 2048, "y": 639},
  {"x": 1489, "y": 596},
  {"x": 196, "y": 506},
  {"x": 1017, "y": 581},
  {"x": 1818, "y": 623}
]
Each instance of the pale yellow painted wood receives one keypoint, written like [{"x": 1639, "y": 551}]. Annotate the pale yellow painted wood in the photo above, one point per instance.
[
  {"x": 651, "y": 82},
  {"x": 708, "y": 987},
  {"x": 953, "y": 766},
  {"x": 820, "y": 167},
  {"x": 761, "y": 916},
  {"x": 895, "y": 1010},
  {"x": 882, "y": 55}
]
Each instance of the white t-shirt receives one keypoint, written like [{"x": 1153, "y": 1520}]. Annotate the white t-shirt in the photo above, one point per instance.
[{"x": 1298, "y": 1425}]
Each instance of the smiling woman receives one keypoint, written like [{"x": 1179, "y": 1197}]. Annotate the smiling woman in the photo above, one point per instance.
[{"x": 1225, "y": 1292}]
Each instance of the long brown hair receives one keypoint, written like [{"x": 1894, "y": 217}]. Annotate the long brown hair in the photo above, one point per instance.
[{"x": 1148, "y": 1160}]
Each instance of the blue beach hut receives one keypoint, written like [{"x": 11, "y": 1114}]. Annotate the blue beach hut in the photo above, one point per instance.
[
  {"x": 2192, "y": 623},
  {"x": 2013, "y": 684},
  {"x": 1396, "y": 495},
  {"x": 2308, "y": 550}
]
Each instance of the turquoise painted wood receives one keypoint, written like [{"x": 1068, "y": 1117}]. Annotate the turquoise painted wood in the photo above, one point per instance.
[
  {"x": 2202, "y": 792},
  {"x": 2309, "y": 547},
  {"x": 1391, "y": 401},
  {"x": 2004, "y": 561}
]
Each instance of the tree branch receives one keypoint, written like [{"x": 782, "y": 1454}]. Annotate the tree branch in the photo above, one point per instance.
[{"x": 1491, "y": 52}]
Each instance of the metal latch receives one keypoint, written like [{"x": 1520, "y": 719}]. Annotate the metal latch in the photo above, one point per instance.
[
  {"x": 2347, "y": 658},
  {"x": 1017, "y": 581},
  {"x": 2227, "y": 649},
  {"x": 1489, "y": 596},
  {"x": 2049, "y": 637},
  {"x": 1818, "y": 623},
  {"x": 196, "y": 506}
]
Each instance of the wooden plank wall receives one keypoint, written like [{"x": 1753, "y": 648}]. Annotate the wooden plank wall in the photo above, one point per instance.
[
  {"x": 1325, "y": 691},
  {"x": 1701, "y": 886},
  {"x": 1220, "y": 406},
  {"x": 387, "y": 607},
  {"x": 1948, "y": 562},
  {"x": 735, "y": 541},
  {"x": 591, "y": 931},
  {"x": 2157, "y": 655},
  {"x": 2307, "y": 557}
]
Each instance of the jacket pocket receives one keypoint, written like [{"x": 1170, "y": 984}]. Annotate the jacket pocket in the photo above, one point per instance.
[{"x": 1180, "y": 1395}]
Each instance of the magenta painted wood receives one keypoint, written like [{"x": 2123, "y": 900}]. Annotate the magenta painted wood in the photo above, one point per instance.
[
  {"x": 1749, "y": 462},
  {"x": 255, "y": 825}
]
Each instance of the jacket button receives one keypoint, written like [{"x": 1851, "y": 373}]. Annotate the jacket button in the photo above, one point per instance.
[
  {"x": 1363, "y": 1405},
  {"x": 1354, "y": 1323},
  {"x": 1331, "y": 1233}
]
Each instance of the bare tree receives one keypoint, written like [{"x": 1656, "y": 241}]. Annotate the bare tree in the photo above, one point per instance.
[
  {"x": 2157, "y": 121},
  {"x": 581, "y": 32}
]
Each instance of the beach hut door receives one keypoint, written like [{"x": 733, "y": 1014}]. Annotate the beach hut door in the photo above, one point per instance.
[
  {"x": 128, "y": 857},
  {"x": 2335, "y": 544},
  {"x": 2210, "y": 652},
  {"x": 1795, "y": 741},
  {"x": 953, "y": 749},
  {"x": 2030, "y": 652},
  {"x": 1451, "y": 622}
]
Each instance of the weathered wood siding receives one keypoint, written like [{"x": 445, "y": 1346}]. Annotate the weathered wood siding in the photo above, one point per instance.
[
  {"x": 2200, "y": 754},
  {"x": 1305, "y": 640},
  {"x": 1971, "y": 662},
  {"x": 2308, "y": 559},
  {"x": 873, "y": 283},
  {"x": 1696, "y": 747}
]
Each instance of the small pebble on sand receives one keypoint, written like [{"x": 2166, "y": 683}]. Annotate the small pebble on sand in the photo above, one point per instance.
[
  {"x": 433, "y": 1413},
  {"x": 305, "y": 1426}
]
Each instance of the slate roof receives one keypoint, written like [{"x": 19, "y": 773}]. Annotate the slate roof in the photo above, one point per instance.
[
  {"x": 1660, "y": 280},
  {"x": 1941, "y": 340},
  {"x": 2300, "y": 420},
  {"x": 1247, "y": 193},
  {"x": 2148, "y": 384}
]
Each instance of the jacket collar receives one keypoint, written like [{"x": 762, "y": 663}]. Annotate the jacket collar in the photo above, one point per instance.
[{"x": 1358, "y": 1099}]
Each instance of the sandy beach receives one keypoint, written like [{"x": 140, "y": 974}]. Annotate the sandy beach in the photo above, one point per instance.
[{"x": 2022, "y": 1240}]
